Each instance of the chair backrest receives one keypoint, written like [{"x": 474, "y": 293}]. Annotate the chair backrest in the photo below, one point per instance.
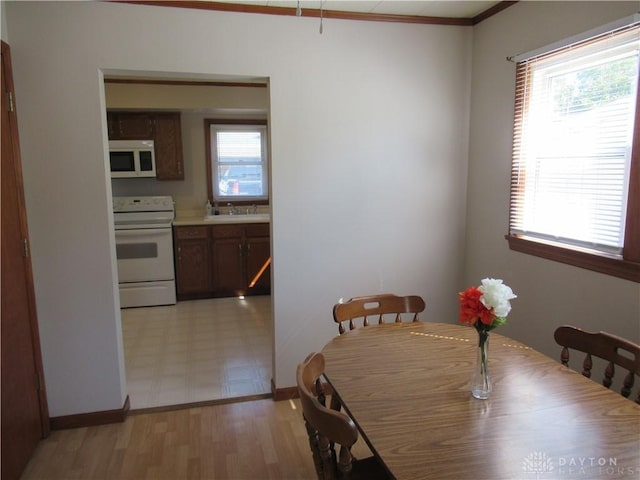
[
  {"x": 325, "y": 427},
  {"x": 376, "y": 305},
  {"x": 616, "y": 350}
]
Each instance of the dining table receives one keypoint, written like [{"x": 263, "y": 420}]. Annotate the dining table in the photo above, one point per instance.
[{"x": 407, "y": 388}]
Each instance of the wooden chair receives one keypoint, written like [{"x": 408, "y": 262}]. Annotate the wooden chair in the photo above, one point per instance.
[
  {"x": 372, "y": 305},
  {"x": 614, "y": 349},
  {"x": 327, "y": 427}
]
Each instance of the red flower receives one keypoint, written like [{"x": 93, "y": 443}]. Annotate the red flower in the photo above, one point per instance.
[{"x": 472, "y": 309}]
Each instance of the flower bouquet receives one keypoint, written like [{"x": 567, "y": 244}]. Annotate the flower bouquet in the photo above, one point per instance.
[{"x": 485, "y": 307}]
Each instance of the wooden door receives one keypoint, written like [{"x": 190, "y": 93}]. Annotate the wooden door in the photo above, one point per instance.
[{"x": 24, "y": 409}]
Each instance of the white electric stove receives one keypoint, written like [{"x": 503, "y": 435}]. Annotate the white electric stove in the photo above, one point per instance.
[{"x": 144, "y": 248}]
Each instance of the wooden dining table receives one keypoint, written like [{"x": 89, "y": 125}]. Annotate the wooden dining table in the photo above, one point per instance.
[{"x": 406, "y": 386}]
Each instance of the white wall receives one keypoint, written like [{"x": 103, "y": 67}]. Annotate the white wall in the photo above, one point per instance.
[
  {"x": 369, "y": 153},
  {"x": 550, "y": 293}
]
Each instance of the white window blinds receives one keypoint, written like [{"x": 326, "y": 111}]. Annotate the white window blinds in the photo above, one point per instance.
[
  {"x": 239, "y": 162},
  {"x": 573, "y": 133}
]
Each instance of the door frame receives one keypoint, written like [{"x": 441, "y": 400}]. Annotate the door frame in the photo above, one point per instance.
[{"x": 12, "y": 130}]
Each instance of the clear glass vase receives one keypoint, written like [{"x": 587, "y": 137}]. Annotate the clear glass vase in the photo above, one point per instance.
[{"x": 480, "y": 381}]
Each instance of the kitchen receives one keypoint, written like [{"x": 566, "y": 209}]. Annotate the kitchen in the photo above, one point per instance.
[{"x": 201, "y": 348}]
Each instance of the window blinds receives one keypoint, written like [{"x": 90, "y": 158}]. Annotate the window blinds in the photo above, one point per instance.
[{"x": 573, "y": 131}]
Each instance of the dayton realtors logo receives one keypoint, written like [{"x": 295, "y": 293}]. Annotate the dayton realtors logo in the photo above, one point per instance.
[
  {"x": 537, "y": 463},
  {"x": 543, "y": 466}
]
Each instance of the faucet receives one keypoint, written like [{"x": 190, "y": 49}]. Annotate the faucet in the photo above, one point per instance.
[
  {"x": 231, "y": 208},
  {"x": 253, "y": 209}
]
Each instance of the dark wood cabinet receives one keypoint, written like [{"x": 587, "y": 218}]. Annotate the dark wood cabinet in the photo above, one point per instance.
[
  {"x": 130, "y": 125},
  {"x": 168, "y": 147},
  {"x": 258, "y": 258},
  {"x": 229, "y": 278},
  {"x": 222, "y": 260},
  {"x": 163, "y": 128},
  {"x": 239, "y": 253},
  {"x": 193, "y": 262}
]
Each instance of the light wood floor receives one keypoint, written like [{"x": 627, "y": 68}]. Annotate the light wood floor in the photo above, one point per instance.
[
  {"x": 251, "y": 440},
  {"x": 254, "y": 440}
]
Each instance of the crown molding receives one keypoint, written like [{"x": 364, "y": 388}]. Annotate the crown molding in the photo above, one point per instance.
[{"x": 314, "y": 13}]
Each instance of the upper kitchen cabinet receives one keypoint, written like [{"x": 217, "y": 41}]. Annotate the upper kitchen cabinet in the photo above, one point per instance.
[
  {"x": 162, "y": 127},
  {"x": 130, "y": 126},
  {"x": 168, "y": 147}
]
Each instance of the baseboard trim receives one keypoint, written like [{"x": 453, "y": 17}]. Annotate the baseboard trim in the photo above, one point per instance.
[
  {"x": 280, "y": 394},
  {"x": 204, "y": 403},
  {"x": 90, "y": 419},
  {"x": 290, "y": 393}
]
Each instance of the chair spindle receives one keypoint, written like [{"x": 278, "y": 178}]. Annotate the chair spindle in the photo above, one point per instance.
[
  {"x": 617, "y": 351},
  {"x": 587, "y": 365}
]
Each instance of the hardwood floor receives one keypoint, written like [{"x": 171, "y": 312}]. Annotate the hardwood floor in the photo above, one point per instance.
[
  {"x": 253, "y": 440},
  {"x": 230, "y": 440}
]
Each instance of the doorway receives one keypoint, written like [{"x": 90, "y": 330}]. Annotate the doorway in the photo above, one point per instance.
[{"x": 203, "y": 350}]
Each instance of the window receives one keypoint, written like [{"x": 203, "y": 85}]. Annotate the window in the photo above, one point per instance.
[
  {"x": 237, "y": 166},
  {"x": 575, "y": 182}
]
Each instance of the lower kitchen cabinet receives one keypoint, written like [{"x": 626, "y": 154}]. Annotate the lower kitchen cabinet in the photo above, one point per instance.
[
  {"x": 258, "y": 258},
  {"x": 229, "y": 278},
  {"x": 193, "y": 262},
  {"x": 222, "y": 260}
]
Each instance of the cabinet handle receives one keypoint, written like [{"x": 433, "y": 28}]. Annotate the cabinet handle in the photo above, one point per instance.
[{"x": 240, "y": 249}]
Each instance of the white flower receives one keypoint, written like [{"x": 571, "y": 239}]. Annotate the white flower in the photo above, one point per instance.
[{"x": 496, "y": 295}]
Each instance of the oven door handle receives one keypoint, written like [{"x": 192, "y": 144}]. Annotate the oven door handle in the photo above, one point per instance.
[{"x": 142, "y": 232}]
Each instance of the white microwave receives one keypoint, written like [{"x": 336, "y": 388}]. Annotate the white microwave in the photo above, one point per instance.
[{"x": 132, "y": 158}]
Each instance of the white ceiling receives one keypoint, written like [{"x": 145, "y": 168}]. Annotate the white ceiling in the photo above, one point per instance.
[{"x": 447, "y": 8}]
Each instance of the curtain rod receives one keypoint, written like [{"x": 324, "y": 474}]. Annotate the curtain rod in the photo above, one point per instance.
[{"x": 609, "y": 27}]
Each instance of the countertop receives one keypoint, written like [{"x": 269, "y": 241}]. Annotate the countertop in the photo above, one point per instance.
[{"x": 186, "y": 220}]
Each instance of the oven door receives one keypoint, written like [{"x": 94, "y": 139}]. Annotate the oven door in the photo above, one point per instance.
[{"x": 144, "y": 255}]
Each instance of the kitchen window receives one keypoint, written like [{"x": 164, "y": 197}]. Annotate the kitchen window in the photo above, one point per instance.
[
  {"x": 575, "y": 181},
  {"x": 237, "y": 161}
]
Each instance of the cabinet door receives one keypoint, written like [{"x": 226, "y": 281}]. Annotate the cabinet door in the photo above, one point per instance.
[
  {"x": 258, "y": 255},
  {"x": 131, "y": 126},
  {"x": 168, "y": 147},
  {"x": 258, "y": 266},
  {"x": 229, "y": 278},
  {"x": 193, "y": 263},
  {"x": 112, "y": 126}
]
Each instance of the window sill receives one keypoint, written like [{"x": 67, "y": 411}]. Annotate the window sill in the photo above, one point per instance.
[{"x": 609, "y": 265}]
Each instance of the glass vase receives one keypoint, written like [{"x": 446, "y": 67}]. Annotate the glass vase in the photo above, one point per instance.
[{"x": 480, "y": 381}]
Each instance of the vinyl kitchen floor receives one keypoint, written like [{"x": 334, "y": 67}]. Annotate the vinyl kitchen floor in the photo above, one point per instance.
[{"x": 196, "y": 351}]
